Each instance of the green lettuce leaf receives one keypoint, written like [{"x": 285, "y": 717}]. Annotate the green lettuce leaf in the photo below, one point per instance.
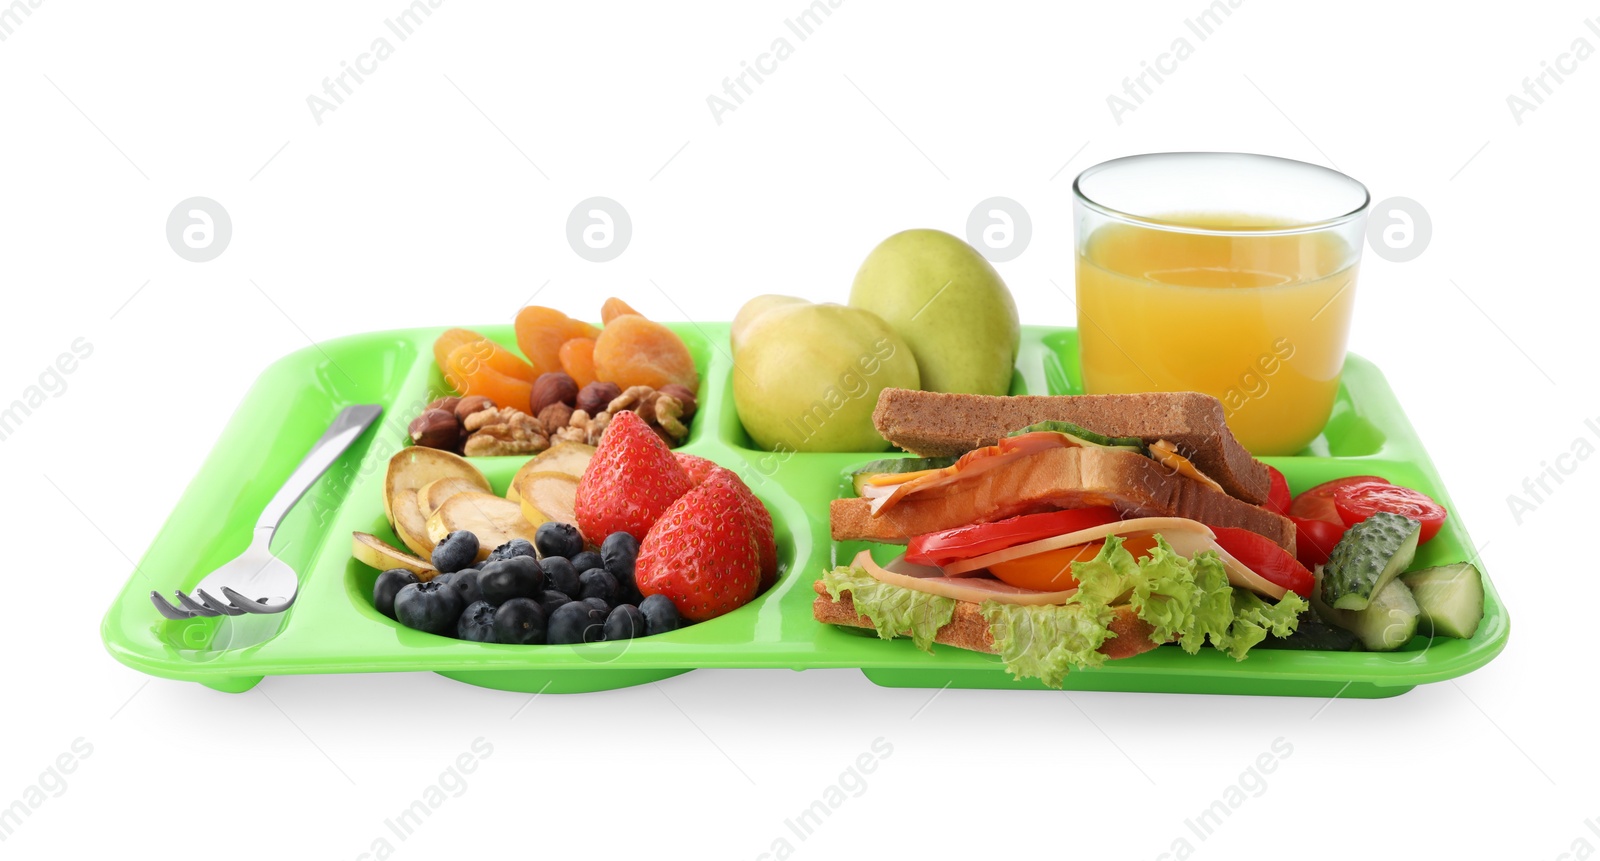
[
  {"x": 1255, "y": 618},
  {"x": 1046, "y": 641},
  {"x": 893, "y": 610}
]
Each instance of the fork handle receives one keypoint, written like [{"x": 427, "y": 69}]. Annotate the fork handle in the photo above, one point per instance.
[{"x": 347, "y": 427}]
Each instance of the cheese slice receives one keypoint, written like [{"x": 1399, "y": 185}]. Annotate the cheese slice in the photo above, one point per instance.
[
  {"x": 1163, "y": 525},
  {"x": 1166, "y": 454},
  {"x": 921, "y": 578}
]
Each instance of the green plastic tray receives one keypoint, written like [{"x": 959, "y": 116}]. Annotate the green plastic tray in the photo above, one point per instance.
[{"x": 333, "y": 627}]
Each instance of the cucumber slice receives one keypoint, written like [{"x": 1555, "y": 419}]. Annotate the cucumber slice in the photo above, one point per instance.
[
  {"x": 1313, "y": 633},
  {"x": 1084, "y": 436},
  {"x": 1370, "y": 555},
  {"x": 1388, "y": 622},
  {"x": 860, "y": 474},
  {"x": 1450, "y": 598}
]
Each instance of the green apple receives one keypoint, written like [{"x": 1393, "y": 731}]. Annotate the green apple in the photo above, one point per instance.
[
  {"x": 949, "y": 304},
  {"x": 806, "y": 377},
  {"x": 754, "y": 309}
]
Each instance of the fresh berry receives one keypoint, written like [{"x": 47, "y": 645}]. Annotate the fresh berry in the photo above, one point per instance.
[
  {"x": 600, "y": 605},
  {"x": 465, "y": 582},
  {"x": 598, "y": 583},
  {"x": 698, "y": 468},
  {"x": 519, "y": 622},
  {"x": 702, "y": 554},
  {"x": 514, "y": 547},
  {"x": 431, "y": 607},
  {"x": 620, "y": 551},
  {"x": 389, "y": 584},
  {"x": 560, "y": 575},
  {"x": 760, "y": 525},
  {"x": 456, "y": 551},
  {"x": 586, "y": 560},
  {"x": 477, "y": 623},
  {"x": 517, "y": 577},
  {"x": 554, "y": 538},
  {"x": 551, "y": 599},
  {"x": 631, "y": 481},
  {"x": 576, "y": 622},
  {"x": 624, "y": 623},
  {"x": 660, "y": 615}
]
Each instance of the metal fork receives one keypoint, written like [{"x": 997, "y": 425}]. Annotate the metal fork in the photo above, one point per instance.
[{"x": 257, "y": 581}]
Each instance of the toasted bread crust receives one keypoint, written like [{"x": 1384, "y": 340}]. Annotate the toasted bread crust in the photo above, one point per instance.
[
  {"x": 934, "y": 424},
  {"x": 967, "y": 629},
  {"x": 1058, "y": 478}
]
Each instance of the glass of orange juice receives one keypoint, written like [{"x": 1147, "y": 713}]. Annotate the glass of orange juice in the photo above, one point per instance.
[{"x": 1223, "y": 273}]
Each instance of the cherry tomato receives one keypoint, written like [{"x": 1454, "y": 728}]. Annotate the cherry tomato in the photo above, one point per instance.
[
  {"x": 1314, "y": 540},
  {"x": 1357, "y": 502},
  {"x": 1051, "y": 570},
  {"x": 1263, "y": 556},
  {"x": 965, "y": 542},
  {"x": 1278, "y": 496},
  {"x": 1317, "y": 503}
]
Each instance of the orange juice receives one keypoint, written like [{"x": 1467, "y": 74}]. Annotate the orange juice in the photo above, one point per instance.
[{"x": 1255, "y": 317}]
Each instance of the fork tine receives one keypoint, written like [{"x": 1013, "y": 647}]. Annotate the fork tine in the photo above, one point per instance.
[
  {"x": 222, "y": 607},
  {"x": 165, "y": 608},
  {"x": 263, "y": 606},
  {"x": 194, "y": 606}
]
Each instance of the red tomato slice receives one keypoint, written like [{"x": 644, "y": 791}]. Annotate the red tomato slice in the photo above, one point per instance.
[
  {"x": 1314, "y": 540},
  {"x": 1051, "y": 571},
  {"x": 1278, "y": 497},
  {"x": 1357, "y": 502},
  {"x": 1266, "y": 558},
  {"x": 1317, "y": 503},
  {"x": 965, "y": 542}
]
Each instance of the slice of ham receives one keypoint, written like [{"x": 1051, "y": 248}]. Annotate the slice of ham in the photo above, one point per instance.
[{"x": 921, "y": 578}]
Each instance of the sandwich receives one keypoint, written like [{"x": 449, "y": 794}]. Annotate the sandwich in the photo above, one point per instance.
[{"x": 1060, "y": 532}]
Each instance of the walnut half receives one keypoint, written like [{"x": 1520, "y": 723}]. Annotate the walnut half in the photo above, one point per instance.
[{"x": 503, "y": 431}]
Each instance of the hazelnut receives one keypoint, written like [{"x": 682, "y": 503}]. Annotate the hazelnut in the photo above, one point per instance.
[
  {"x": 448, "y": 404},
  {"x": 436, "y": 429},
  {"x": 472, "y": 404},
  {"x": 683, "y": 396},
  {"x": 595, "y": 397},
  {"x": 555, "y": 417},
  {"x": 553, "y": 388}
]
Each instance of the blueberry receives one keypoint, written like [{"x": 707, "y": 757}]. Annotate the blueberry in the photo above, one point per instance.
[
  {"x": 660, "y": 615},
  {"x": 458, "y": 550},
  {"x": 620, "y": 550},
  {"x": 561, "y": 575},
  {"x": 514, "y": 547},
  {"x": 586, "y": 560},
  {"x": 519, "y": 622},
  {"x": 625, "y": 623},
  {"x": 551, "y": 599},
  {"x": 517, "y": 577},
  {"x": 599, "y": 605},
  {"x": 433, "y": 607},
  {"x": 389, "y": 584},
  {"x": 598, "y": 583},
  {"x": 554, "y": 538},
  {"x": 477, "y": 623},
  {"x": 575, "y": 622},
  {"x": 465, "y": 582}
]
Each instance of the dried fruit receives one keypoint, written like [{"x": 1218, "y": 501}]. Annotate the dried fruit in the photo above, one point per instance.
[
  {"x": 471, "y": 377},
  {"x": 633, "y": 351},
  {"x": 595, "y": 397},
  {"x": 577, "y": 359},
  {"x": 553, "y": 388},
  {"x": 541, "y": 331},
  {"x": 614, "y": 308},
  {"x": 436, "y": 429},
  {"x": 446, "y": 343}
]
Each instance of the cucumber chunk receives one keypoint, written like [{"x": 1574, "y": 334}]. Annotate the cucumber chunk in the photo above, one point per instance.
[
  {"x": 1388, "y": 622},
  {"x": 1450, "y": 598},
  {"x": 1370, "y": 555},
  {"x": 1083, "y": 436},
  {"x": 897, "y": 465},
  {"x": 1313, "y": 633}
]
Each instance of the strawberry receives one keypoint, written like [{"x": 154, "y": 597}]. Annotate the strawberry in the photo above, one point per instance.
[
  {"x": 631, "y": 480},
  {"x": 760, "y": 523},
  {"x": 699, "y": 468},
  {"x": 702, "y": 554}
]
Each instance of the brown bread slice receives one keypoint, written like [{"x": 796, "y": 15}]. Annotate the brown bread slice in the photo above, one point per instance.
[
  {"x": 967, "y": 629},
  {"x": 1057, "y": 478},
  {"x": 933, "y": 424}
]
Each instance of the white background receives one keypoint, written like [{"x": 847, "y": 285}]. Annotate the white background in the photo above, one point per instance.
[{"x": 438, "y": 193}]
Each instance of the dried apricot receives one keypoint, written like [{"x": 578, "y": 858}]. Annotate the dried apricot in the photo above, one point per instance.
[
  {"x": 577, "y": 359},
  {"x": 469, "y": 374},
  {"x": 541, "y": 331},
  {"x": 615, "y": 308},
  {"x": 633, "y": 351},
  {"x": 451, "y": 339}
]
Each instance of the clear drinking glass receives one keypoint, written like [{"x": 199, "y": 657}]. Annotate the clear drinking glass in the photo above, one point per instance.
[{"x": 1224, "y": 273}]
